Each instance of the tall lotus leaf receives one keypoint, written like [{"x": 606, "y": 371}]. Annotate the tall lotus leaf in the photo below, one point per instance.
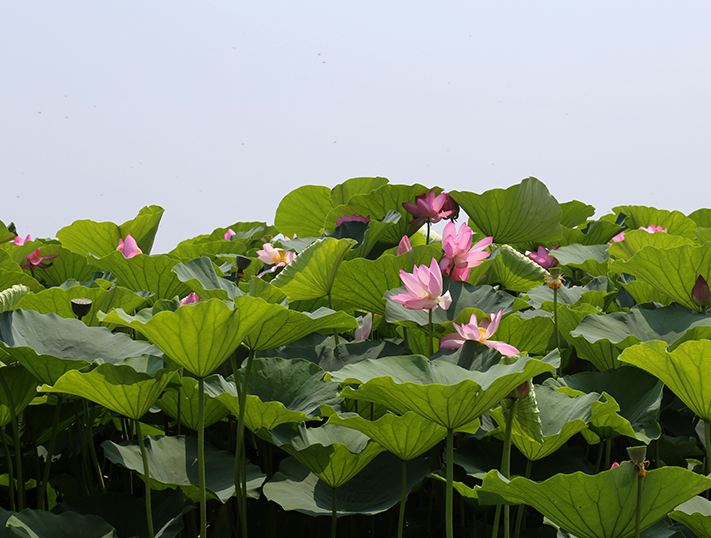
[
  {"x": 642, "y": 216},
  {"x": 280, "y": 391},
  {"x": 592, "y": 259},
  {"x": 214, "y": 410},
  {"x": 312, "y": 272},
  {"x": 521, "y": 215},
  {"x": 442, "y": 392},
  {"x": 11, "y": 297},
  {"x": 593, "y": 233},
  {"x": 143, "y": 227},
  {"x": 362, "y": 283},
  {"x": 119, "y": 388},
  {"x": 515, "y": 271},
  {"x": 636, "y": 240},
  {"x": 575, "y": 213},
  {"x": 200, "y": 276},
  {"x": 604, "y": 504},
  {"x": 5, "y": 234},
  {"x": 41, "y": 524},
  {"x": 59, "y": 301},
  {"x": 695, "y": 514},
  {"x": 683, "y": 370},
  {"x": 375, "y": 229},
  {"x": 48, "y": 345},
  {"x": 22, "y": 388},
  {"x": 243, "y": 230},
  {"x": 173, "y": 462},
  {"x": 153, "y": 273},
  {"x": 407, "y": 436},
  {"x": 535, "y": 335},
  {"x": 200, "y": 336},
  {"x": 343, "y": 192},
  {"x": 333, "y": 453},
  {"x": 65, "y": 266},
  {"x": 211, "y": 249},
  {"x": 86, "y": 237},
  {"x": 303, "y": 211}
]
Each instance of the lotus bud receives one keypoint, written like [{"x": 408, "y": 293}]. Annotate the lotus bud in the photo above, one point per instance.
[{"x": 700, "y": 294}]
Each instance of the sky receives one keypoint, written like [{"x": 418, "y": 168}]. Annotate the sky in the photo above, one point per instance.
[{"x": 216, "y": 110}]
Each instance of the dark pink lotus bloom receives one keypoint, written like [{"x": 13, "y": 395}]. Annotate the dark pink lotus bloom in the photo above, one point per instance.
[
  {"x": 542, "y": 258},
  {"x": 19, "y": 241},
  {"x": 404, "y": 245},
  {"x": 229, "y": 233},
  {"x": 190, "y": 298},
  {"x": 351, "y": 218},
  {"x": 34, "y": 260},
  {"x": 700, "y": 294},
  {"x": 424, "y": 289},
  {"x": 652, "y": 229},
  {"x": 479, "y": 332},
  {"x": 459, "y": 254},
  {"x": 429, "y": 208},
  {"x": 129, "y": 247}
]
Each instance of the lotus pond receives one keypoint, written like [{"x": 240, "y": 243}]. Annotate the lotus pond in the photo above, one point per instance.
[{"x": 347, "y": 371}]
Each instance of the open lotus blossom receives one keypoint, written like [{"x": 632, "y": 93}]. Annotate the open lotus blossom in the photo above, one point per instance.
[
  {"x": 651, "y": 229},
  {"x": 229, "y": 233},
  {"x": 277, "y": 257},
  {"x": 190, "y": 298},
  {"x": 619, "y": 237},
  {"x": 129, "y": 247},
  {"x": 35, "y": 260},
  {"x": 404, "y": 245},
  {"x": 19, "y": 241},
  {"x": 542, "y": 257},
  {"x": 429, "y": 208},
  {"x": 479, "y": 332},
  {"x": 424, "y": 289},
  {"x": 363, "y": 332},
  {"x": 351, "y": 218},
  {"x": 459, "y": 254}
]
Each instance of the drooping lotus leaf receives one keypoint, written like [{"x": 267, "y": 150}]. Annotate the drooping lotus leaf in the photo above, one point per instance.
[
  {"x": 173, "y": 462},
  {"x": 22, "y": 387},
  {"x": 636, "y": 240},
  {"x": 280, "y": 391},
  {"x": 695, "y": 514},
  {"x": 254, "y": 230},
  {"x": 143, "y": 272},
  {"x": 374, "y": 230},
  {"x": 259, "y": 288},
  {"x": 521, "y": 215},
  {"x": 333, "y": 453},
  {"x": 604, "y": 504},
  {"x": 12, "y": 278},
  {"x": 516, "y": 272},
  {"x": 671, "y": 271},
  {"x": 42, "y": 524},
  {"x": 214, "y": 410},
  {"x": 575, "y": 213},
  {"x": 48, "y": 345},
  {"x": 59, "y": 301},
  {"x": 684, "y": 370},
  {"x": 10, "y": 262},
  {"x": 594, "y": 232},
  {"x": 312, "y": 272},
  {"x": 303, "y": 211},
  {"x": 630, "y": 402},
  {"x": 200, "y": 276},
  {"x": 534, "y": 335},
  {"x": 199, "y": 336},
  {"x": 211, "y": 249},
  {"x": 592, "y": 259},
  {"x": 561, "y": 417},
  {"x": 11, "y": 297},
  {"x": 375, "y": 489},
  {"x": 407, "y": 436},
  {"x": 442, "y": 392},
  {"x": 642, "y": 293},
  {"x": 119, "y": 388},
  {"x": 643, "y": 216}
]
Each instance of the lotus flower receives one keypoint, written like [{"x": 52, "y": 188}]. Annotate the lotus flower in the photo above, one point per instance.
[
  {"x": 429, "y": 208},
  {"x": 190, "y": 298},
  {"x": 424, "y": 289},
  {"x": 363, "y": 332},
  {"x": 19, "y": 241},
  {"x": 229, "y": 233},
  {"x": 276, "y": 257},
  {"x": 619, "y": 237},
  {"x": 615, "y": 464},
  {"x": 404, "y": 245},
  {"x": 542, "y": 258},
  {"x": 451, "y": 207},
  {"x": 652, "y": 229},
  {"x": 351, "y": 218},
  {"x": 480, "y": 333},
  {"x": 34, "y": 260},
  {"x": 700, "y": 293},
  {"x": 129, "y": 247},
  {"x": 459, "y": 254}
]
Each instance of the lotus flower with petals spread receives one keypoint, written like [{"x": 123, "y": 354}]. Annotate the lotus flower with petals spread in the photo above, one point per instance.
[
  {"x": 459, "y": 254},
  {"x": 129, "y": 247},
  {"x": 404, "y": 245},
  {"x": 19, "y": 241},
  {"x": 542, "y": 257},
  {"x": 229, "y": 233},
  {"x": 479, "y": 332},
  {"x": 424, "y": 289},
  {"x": 429, "y": 208},
  {"x": 190, "y": 298},
  {"x": 34, "y": 260},
  {"x": 276, "y": 257},
  {"x": 652, "y": 229},
  {"x": 352, "y": 218}
]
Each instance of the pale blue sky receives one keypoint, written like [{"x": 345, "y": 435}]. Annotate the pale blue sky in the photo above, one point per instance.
[{"x": 216, "y": 110}]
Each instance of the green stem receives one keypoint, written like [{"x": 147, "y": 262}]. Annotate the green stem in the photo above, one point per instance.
[
  {"x": 242, "y": 396},
  {"x": 707, "y": 438},
  {"x": 92, "y": 448},
  {"x": 522, "y": 507},
  {"x": 334, "y": 512},
  {"x": 608, "y": 453},
  {"x": 431, "y": 333},
  {"x": 50, "y": 453},
  {"x": 403, "y": 500},
  {"x": 201, "y": 456},
  {"x": 555, "y": 321},
  {"x": 598, "y": 461},
  {"x": 449, "y": 496},
  {"x": 427, "y": 239},
  {"x": 506, "y": 460},
  {"x": 638, "y": 513},
  {"x": 330, "y": 305},
  {"x": 10, "y": 472},
  {"x": 18, "y": 447},
  {"x": 180, "y": 400},
  {"x": 147, "y": 480}
]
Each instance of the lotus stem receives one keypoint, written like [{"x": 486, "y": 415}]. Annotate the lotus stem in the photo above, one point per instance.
[
  {"x": 555, "y": 322},
  {"x": 449, "y": 498},
  {"x": 427, "y": 239},
  {"x": 10, "y": 472},
  {"x": 50, "y": 453},
  {"x": 403, "y": 500},
  {"x": 334, "y": 512},
  {"x": 147, "y": 480},
  {"x": 18, "y": 447},
  {"x": 707, "y": 439},
  {"x": 506, "y": 461},
  {"x": 180, "y": 398},
  {"x": 201, "y": 456},
  {"x": 431, "y": 333},
  {"x": 92, "y": 448},
  {"x": 598, "y": 461},
  {"x": 522, "y": 507},
  {"x": 239, "y": 449},
  {"x": 330, "y": 305},
  {"x": 608, "y": 453}
]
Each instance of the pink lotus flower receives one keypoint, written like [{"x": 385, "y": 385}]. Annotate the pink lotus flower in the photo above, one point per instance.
[
  {"x": 459, "y": 254},
  {"x": 700, "y": 293},
  {"x": 424, "y": 289},
  {"x": 274, "y": 256},
  {"x": 19, "y": 241},
  {"x": 34, "y": 260},
  {"x": 652, "y": 229},
  {"x": 229, "y": 233},
  {"x": 404, "y": 245},
  {"x": 190, "y": 298},
  {"x": 363, "y": 332},
  {"x": 129, "y": 247},
  {"x": 619, "y": 237},
  {"x": 429, "y": 208},
  {"x": 615, "y": 464},
  {"x": 451, "y": 207},
  {"x": 480, "y": 333},
  {"x": 542, "y": 258},
  {"x": 351, "y": 218}
]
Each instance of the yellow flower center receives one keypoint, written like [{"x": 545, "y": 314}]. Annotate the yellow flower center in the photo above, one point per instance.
[
  {"x": 482, "y": 334},
  {"x": 281, "y": 256}
]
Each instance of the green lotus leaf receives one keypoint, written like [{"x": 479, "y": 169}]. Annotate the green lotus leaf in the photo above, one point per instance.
[
  {"x": 199, "y": 336},
  {"x": 200, "y": 276},
  {"x": 303, "y": 211},
  {"x": 259, "y": 288},
  {"x": 143, "y": 227},
  {"x": 575, "y": 213},
  {"x": 569, "y": 318},
  {"x": 437, "y": 390},
  {"x": 682, "y": 370},
  {"x": 333, "y": 453},
  {"x": 280, "y": 391},
  {"x": 13, "y": 278},
  {"x": 695, "y": 514},
  {"x": 11, "y": 263},
  {"x": 48, "y": 345},
  {"x": 592, "y": 259},
  {"x": 642, "y": 216},
  {"x": 11, "y": 297},
  {"x": 636, "y": 240},
  {"x": 534, "y": 335},
  {"x": 592, "y": 294},
  {"x": 59, "y": 301},
  {"x": 521, "y": 215},
  {"x": 214, "y": 410},
  {"x": 362, "y": 283},
  {"x": 604, "y": 504},
  {"x": 67, "y": 265},
  {"x": 119, "y": 388},
  {"x": 41, "y": 524},
  {"x": 593, "y": 233},
  {"x": 173, "y": 463},
  {"x": 5, "y": 234},
  {"x": 375, "y": 229},
  {"x": 22, "y": 387},
  {"x": 312, "y": 272},
  {"x": 254, "y": 230},
  {"x": 561, "y": 417},
  {"x": 516, "y": 272},
  {"x": 85, "y": 237},
  {"x": 342, "y": 193},
  {"x": 143, "y": 272},
  {"x": 375, "y": 489},
  {"x": 210, "y": 249},
  {"x": 702, "y": 217},
  {"x": 407, "y": 436}
]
